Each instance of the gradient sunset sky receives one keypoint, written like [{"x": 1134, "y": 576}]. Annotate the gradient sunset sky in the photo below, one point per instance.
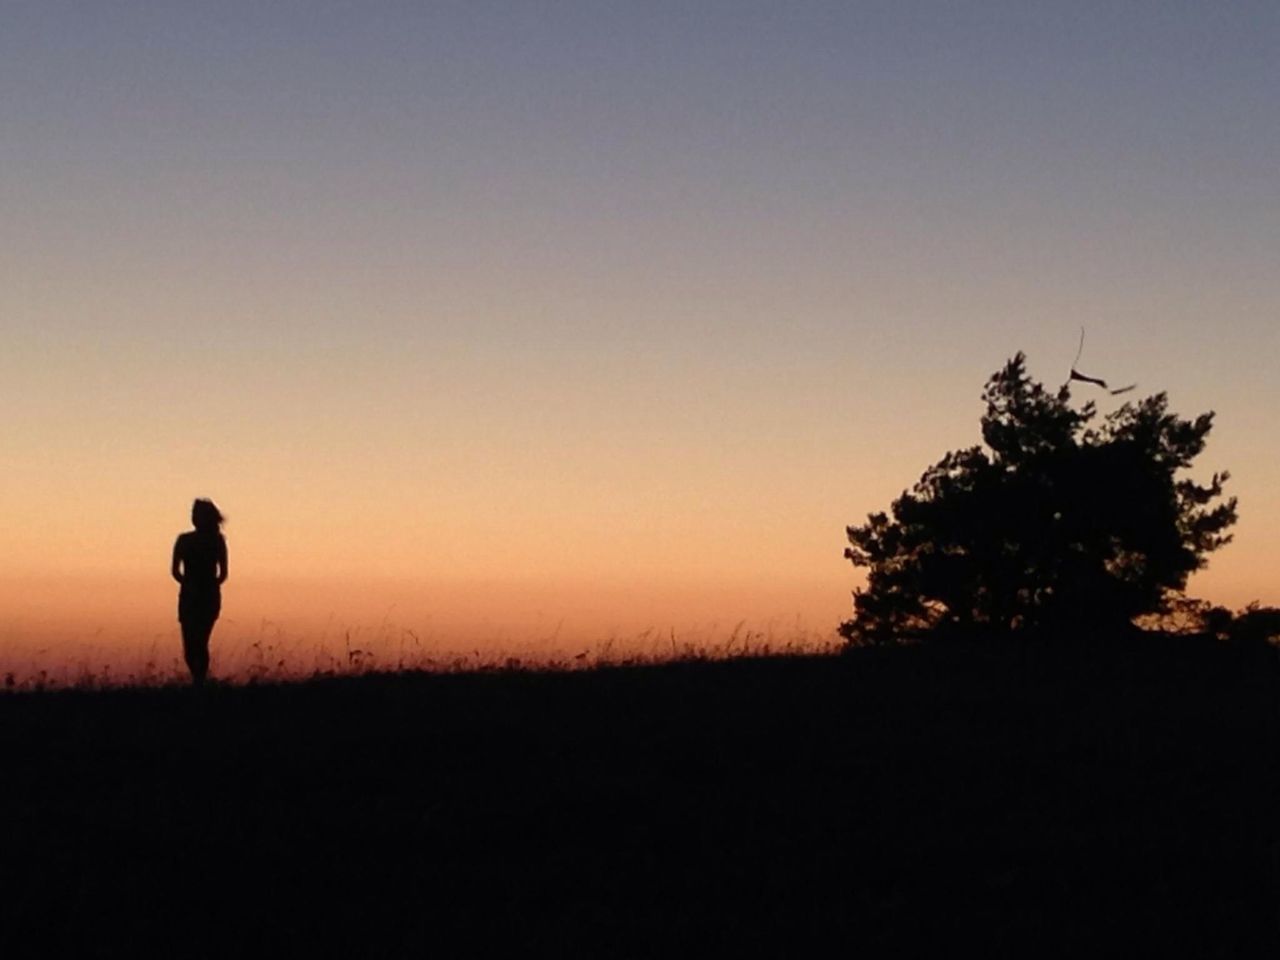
[{"x": 506, "y": 321}]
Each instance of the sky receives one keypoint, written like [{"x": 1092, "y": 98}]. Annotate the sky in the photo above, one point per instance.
[{"x": 512, "y": 323}]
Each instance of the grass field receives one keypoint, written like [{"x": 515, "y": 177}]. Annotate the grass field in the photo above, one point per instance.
[{"x": 1037, "y": 799}]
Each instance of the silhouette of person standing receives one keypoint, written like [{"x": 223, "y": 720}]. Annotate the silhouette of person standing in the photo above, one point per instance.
[{"x": 200, "y": 565}]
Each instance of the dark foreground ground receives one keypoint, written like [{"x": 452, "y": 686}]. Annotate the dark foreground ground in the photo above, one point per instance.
[{"x": 1041, "y": 801}]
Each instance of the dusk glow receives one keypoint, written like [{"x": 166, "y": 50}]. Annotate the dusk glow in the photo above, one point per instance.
[{"x": 524, "y": 326}]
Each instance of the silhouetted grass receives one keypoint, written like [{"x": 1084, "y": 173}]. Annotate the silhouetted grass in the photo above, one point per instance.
[
  {"x": 271, "y": 655},
  {"x": 1036, "y": 799}
]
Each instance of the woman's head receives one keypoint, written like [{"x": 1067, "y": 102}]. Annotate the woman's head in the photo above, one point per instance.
[{"x": 206, "y": 516}]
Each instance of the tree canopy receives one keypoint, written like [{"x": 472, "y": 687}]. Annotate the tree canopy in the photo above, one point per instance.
[{"x": 1055, "y": 521}]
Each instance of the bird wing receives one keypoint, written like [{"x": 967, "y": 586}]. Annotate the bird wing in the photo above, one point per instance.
[{"x": 1077, "y": 375}]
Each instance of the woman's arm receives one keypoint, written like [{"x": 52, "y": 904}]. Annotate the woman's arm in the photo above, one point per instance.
[
  {"x": 222, "y": 560},
  {"x": 175, "y": 565}
]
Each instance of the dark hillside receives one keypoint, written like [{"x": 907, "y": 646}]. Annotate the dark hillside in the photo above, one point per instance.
[{"x": 1039, "y": 799}]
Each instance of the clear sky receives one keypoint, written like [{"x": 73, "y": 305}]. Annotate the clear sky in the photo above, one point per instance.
[{"x": 510, "y": 318}]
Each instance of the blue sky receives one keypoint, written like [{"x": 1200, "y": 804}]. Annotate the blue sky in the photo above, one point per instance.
[{"x": 708, "y": 280}]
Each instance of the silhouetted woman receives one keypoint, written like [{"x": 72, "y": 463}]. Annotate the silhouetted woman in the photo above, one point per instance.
[{"x": 200, "y": 565}]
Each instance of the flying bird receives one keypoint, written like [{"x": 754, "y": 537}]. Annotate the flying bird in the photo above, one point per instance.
[{"x": 1077, "y": 375}]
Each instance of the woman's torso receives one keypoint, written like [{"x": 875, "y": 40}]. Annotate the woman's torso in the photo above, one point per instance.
[{"x": 200, "y": 555}]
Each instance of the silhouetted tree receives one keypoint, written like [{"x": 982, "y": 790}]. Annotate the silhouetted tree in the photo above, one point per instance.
[
  {"x": 1253, "y": 626},
  {"x": 1054, "y": 523},
  {"x": 1256, "y": 625}
]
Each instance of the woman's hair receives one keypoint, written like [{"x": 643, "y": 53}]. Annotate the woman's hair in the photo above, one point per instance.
[{"x": 205, "y": 515}]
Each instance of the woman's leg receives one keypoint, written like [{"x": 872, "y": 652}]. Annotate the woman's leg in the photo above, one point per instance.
[{"x": 195, "y": 648}]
